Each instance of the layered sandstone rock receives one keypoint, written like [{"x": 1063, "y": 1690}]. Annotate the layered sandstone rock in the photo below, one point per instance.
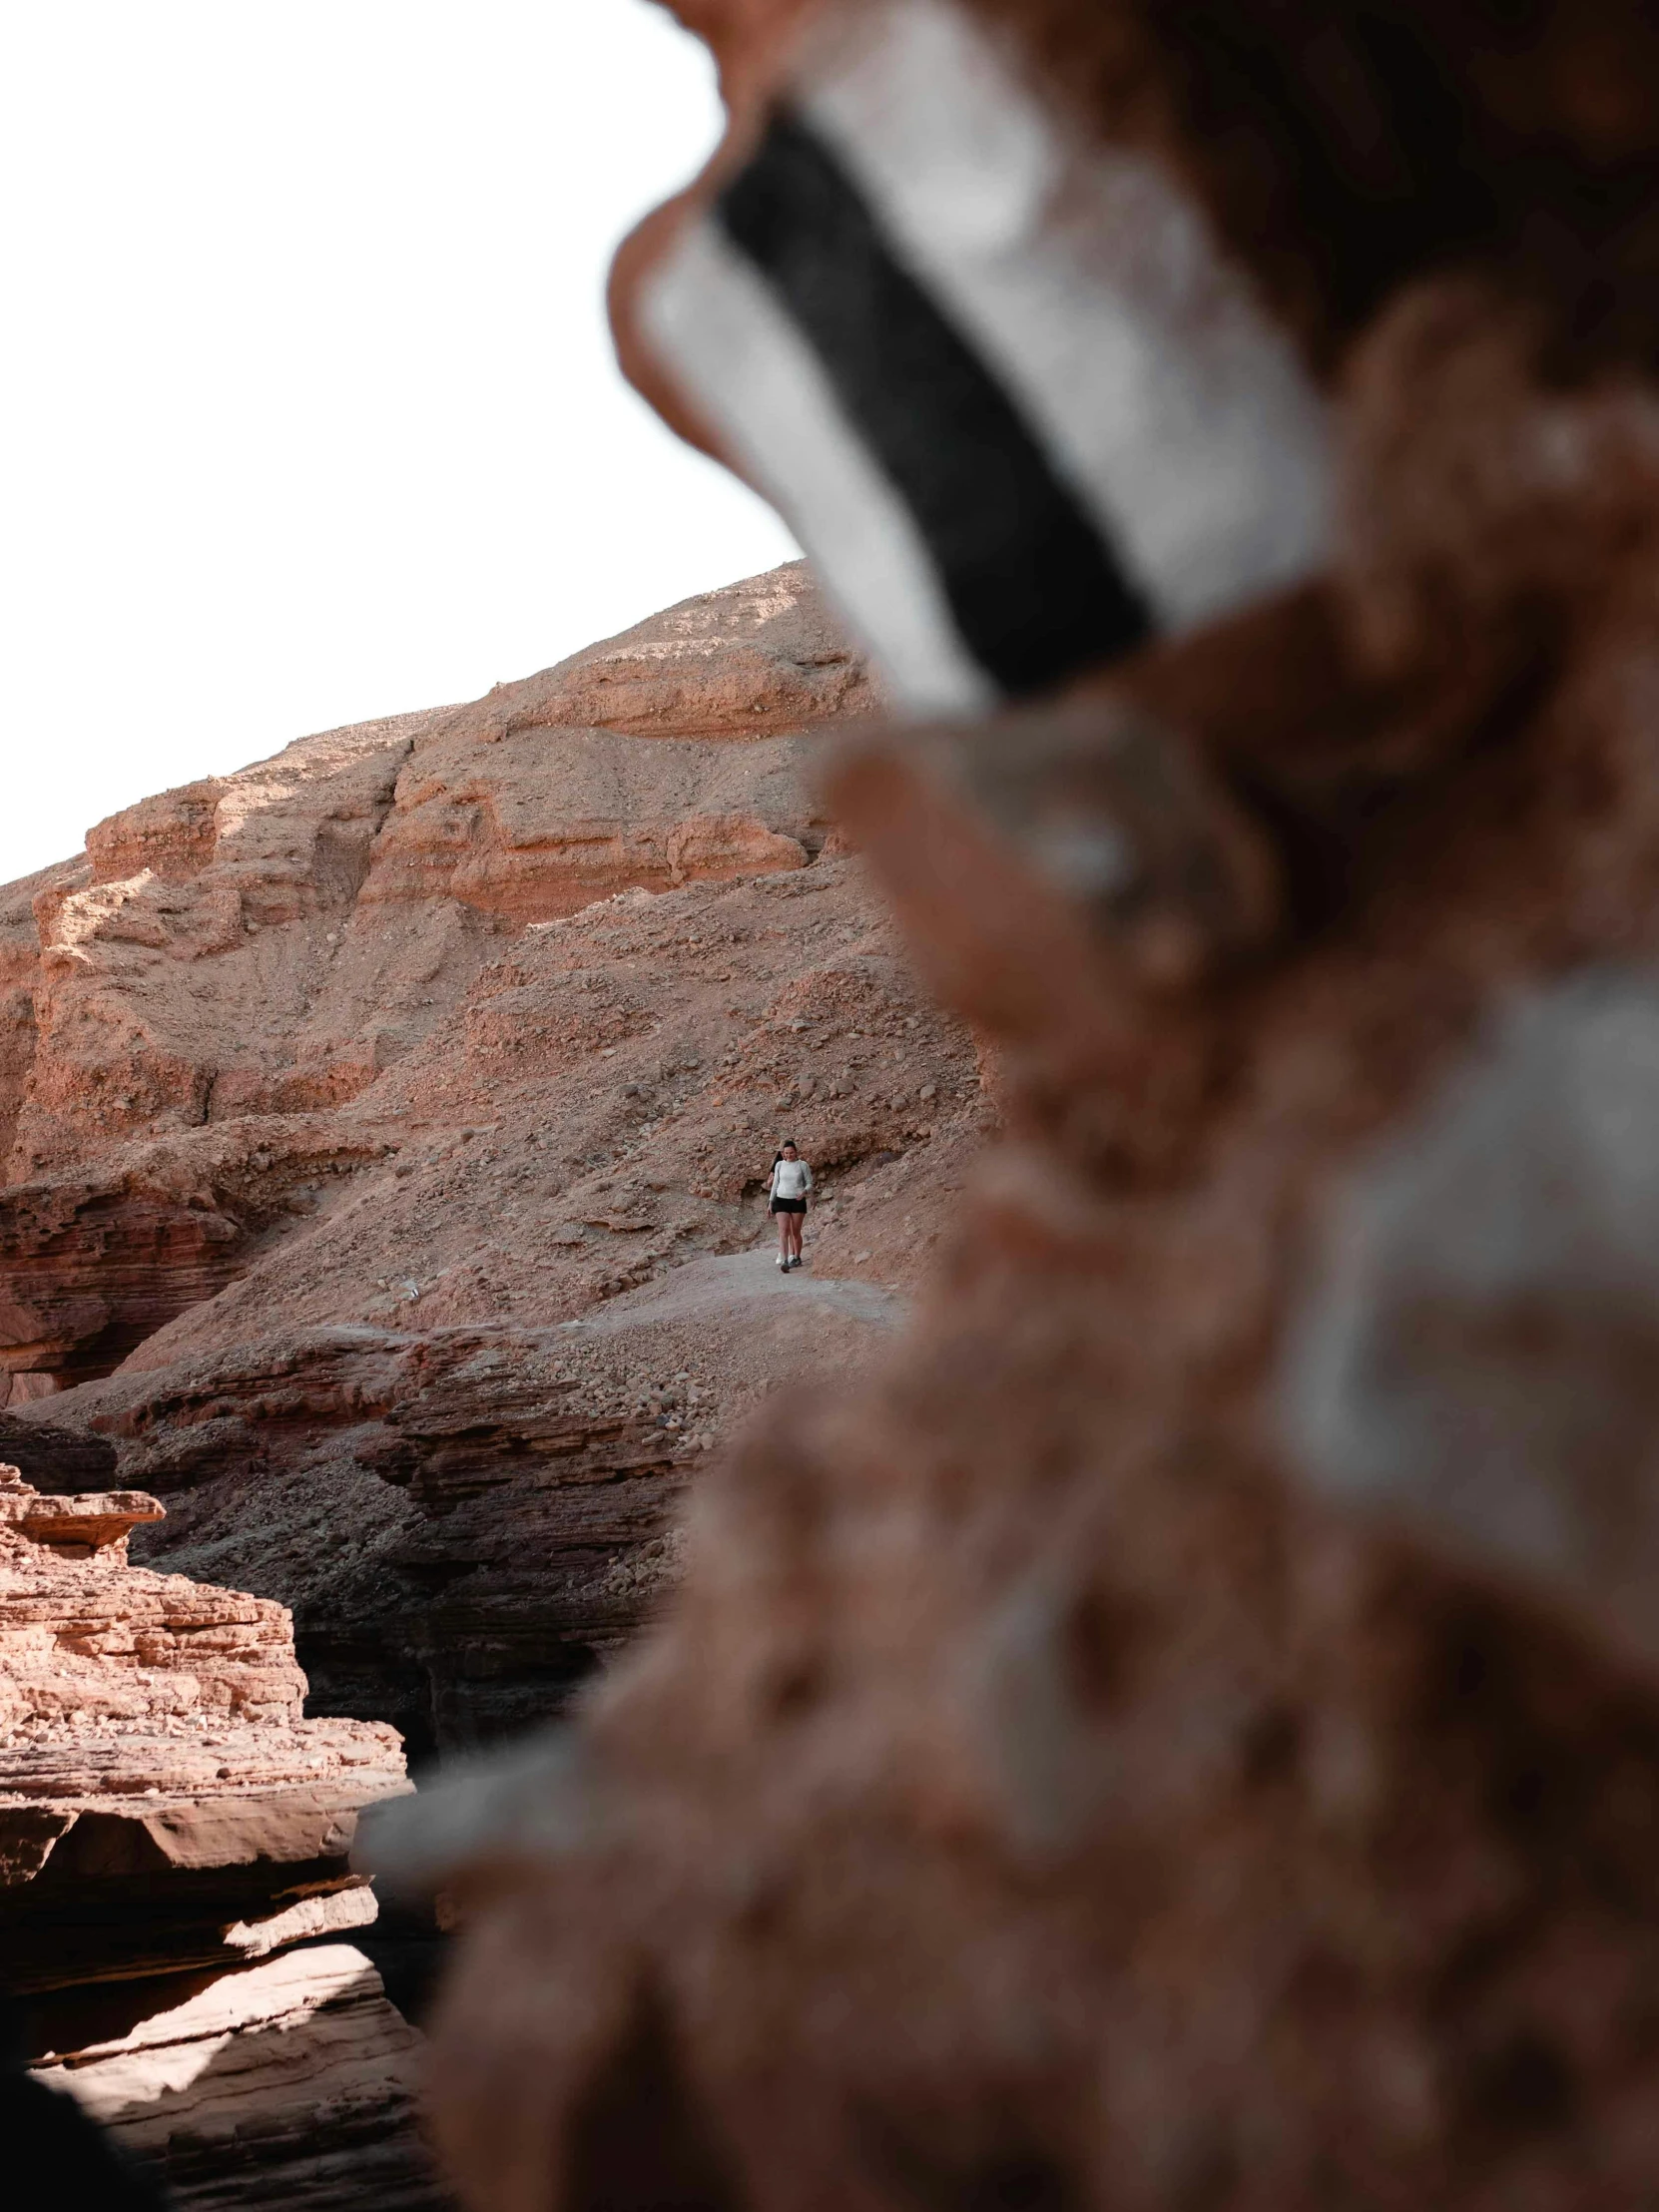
[
  {"x": 167, "y": 1820},
  {"x": 467, "y": 1519},
  {"x": 269, "y": 941},
  {"x": 287, "y": 2084},
  {"x": 21, "y": 984},
  {"x": 466, "y": 1528},
  {"x": 529, "y": 832},
  {"x": 195, "y": 968},
  {"x": 1183, "y": 1730}
]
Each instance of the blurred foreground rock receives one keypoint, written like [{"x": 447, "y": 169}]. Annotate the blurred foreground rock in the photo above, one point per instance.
[
  {"x": 1183, "y": 1732},
  {"x": 383, "y": 1129}
]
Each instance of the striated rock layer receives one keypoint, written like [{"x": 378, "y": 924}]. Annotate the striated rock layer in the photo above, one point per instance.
[
  {"x": 466, "y": 1528},
  {"x": 271, "y": 941},
  {"x": 288, "y": 2083},
  {"x": 92, "y": 1265},
  {"x": 168, "y": 1820}
]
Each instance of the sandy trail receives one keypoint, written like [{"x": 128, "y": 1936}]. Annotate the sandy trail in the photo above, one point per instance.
[{"x": 717, "y": 1290}]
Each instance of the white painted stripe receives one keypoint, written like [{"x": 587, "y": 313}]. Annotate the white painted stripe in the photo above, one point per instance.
[
  {"x": 715, "y": 321},
  {"x": 1174, "y": 404}
]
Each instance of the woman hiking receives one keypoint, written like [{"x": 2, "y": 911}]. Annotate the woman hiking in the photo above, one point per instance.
[{"x": 788, "y": 1189}]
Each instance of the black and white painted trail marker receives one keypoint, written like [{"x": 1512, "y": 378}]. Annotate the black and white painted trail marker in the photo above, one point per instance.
[{"x": 1016, "y": 405}]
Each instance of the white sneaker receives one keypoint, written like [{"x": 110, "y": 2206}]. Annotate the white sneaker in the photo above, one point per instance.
[{"x": 785, "y": 1265}]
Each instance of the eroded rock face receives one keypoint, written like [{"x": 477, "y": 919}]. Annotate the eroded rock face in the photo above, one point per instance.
[
  {"x": 529, "y": 830},
  {"x": 466, "y": 1520},
  {"x": 269, "y": 941},
  {"x": 289, "y": 2083},
  {"x": 1037, "y": 1782},
  {"x": 91, "y": 1640},
  {"x": 573, "y": 1141},
  {"x": 468, "y": 1526},
  {"x": 756, "y": 659},
  {"x": 605, "y": 1105},
  {"x": 368, "y": 926},
  {"x": 1184, "y": 1732},
  {"x": 166, "y": 1820},
  {"x": 196, "y": 969},
  {"x": 20, "y": 983}
]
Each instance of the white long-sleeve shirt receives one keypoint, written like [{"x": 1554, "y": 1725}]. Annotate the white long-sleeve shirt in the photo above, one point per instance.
[{"x": 791, "y": 1179}]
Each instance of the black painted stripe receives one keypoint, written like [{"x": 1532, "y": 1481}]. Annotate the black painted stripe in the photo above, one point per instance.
[{"x": 1035, "y": 589}]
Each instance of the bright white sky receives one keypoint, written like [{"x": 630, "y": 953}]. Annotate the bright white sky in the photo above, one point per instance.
[{"x": 308, "y": 412}]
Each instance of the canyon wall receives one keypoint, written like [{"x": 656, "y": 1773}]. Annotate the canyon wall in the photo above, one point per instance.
[
  {"x": 171, "y": 1829},
  {"x": 404, "y": 1102},
  {"x": 385, "y": 1127}
]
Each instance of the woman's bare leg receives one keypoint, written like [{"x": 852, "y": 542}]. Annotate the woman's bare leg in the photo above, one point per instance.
[
  {"x": 796, "y": 1223},
  {"x": 784, "y": 1237}
]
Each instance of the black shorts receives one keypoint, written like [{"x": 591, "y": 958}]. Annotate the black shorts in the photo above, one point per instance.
[{"x": 788, "y": 1205}]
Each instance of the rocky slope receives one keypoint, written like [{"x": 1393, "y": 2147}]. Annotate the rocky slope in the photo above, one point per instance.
[
  {"x": 382, "y": 1131},
  {"x": 388, "y": 1124}
]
